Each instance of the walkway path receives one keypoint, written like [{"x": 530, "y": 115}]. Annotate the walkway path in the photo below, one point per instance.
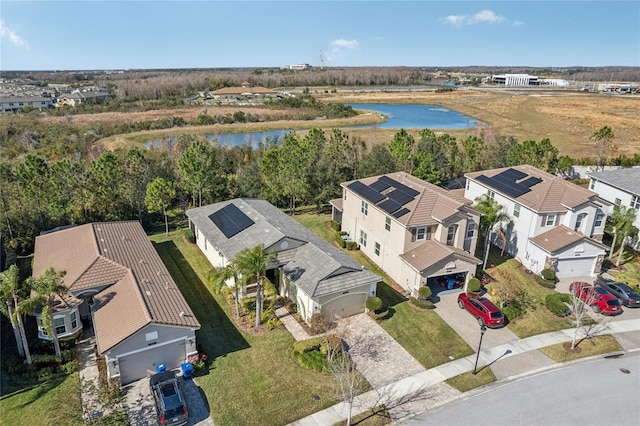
[{"x": 89, "y": 376}]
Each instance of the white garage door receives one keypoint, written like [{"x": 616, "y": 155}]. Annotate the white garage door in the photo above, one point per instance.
[
  {"x": 344, "y": 306},
  {"x": 143, "y": 364},
  {"x": 580, "y": 267}
]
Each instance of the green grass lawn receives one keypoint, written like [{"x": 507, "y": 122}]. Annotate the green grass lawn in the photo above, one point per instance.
[
  {"x": 629, "y": 270},
  {"x": 596, "y": 345},
  {"x": 467, "y": 381},
  {"x": 251, "y": 377}
]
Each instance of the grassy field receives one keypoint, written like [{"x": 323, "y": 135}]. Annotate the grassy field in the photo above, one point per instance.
[{"x": 596, "y": 345}]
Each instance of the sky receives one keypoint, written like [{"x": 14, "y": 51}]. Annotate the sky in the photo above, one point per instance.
[{"x": 87, "y": 35}]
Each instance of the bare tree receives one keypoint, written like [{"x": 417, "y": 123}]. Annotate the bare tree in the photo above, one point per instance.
[{"x": 579, "y": 308}]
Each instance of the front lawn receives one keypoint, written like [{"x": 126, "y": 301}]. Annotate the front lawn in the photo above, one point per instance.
[
  {"x": 596, "y": 345},
  {"x": 466, "y": 381},
  {"x": 251, "y": 377}
]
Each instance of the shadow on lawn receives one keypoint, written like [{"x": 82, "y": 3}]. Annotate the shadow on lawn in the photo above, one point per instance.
[{"x": 218, "y": 334}]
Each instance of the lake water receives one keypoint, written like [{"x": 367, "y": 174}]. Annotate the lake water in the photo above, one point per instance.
[{"x": 409, "y": 116}]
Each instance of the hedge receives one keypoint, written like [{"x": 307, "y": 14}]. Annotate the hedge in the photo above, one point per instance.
[
  {"x": 549, "y": 275},
  {"x": 373, "y": 303},
  {"x": 555, "y": 302},
  {"x": 544, "y": 283},
  {"x": 424, "y": 304},
  {"x": 474, "y": 285}
]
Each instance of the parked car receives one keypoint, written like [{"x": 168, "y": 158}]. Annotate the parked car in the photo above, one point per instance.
[
  {"x": 168, "y": 396},
  {"x": 482, "y": 309},
  {"x": 600, "y": 300},
  {"x": 627, "y": 296},
  {"x": 451, "y": 281}
]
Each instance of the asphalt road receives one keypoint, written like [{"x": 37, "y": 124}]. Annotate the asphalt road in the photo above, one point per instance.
[{"x": 592, "y": 392}]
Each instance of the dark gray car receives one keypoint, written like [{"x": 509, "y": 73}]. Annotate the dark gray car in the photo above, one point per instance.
[
  {"x": 169, "y": 399},
  {"x": 627, "y": 296}
]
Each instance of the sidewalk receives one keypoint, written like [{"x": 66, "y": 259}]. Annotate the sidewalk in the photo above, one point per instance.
[{"x": 422, "y": 391}]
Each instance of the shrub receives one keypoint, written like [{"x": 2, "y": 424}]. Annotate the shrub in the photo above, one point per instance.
[
  {"x": 424, "y": 304},
  {"x": 381, "y": 315},
  {"x": 549, "y": 275},
  {"x": 335, "y": 225},
  {"x": 312, "y": 353},
  {"x": 374, "y": 303},
  {"x": 543, "y": 282},
  {"x": 424, "y": 293},
  {"x": 555, "y": 302},
  {"x": 69, "y": 367},
  {"x": 249, "y": 304},
  {"x": 273, "y": 322},
  {"x": 352, "y": 245},
  {"x": 512, "y": 310},
  {"x": 189, "y": 235},
  {"x": 340, "y": 240},
  {"x": 318, "y": 323},
  {"x": 474, "y": 285}
]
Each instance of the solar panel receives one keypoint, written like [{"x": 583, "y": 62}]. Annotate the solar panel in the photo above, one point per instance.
[
  {"x": 400, "y": 213},
  {"x": 504, "y": 186},
  {"x": 398, "y": 185},
  {"x": 366, "y": 192},
  {"x": 230, "y": 220},
  {"x": 530, "y": 181},
  {"x": 512, "y": 174},
  {"x": 389, "y": 206},
  {"x": 380, "y": 185},
  {"x": 400, "y": 197}
]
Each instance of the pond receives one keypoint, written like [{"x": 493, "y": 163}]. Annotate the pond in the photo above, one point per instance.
[{"x": 406, "y": 116}]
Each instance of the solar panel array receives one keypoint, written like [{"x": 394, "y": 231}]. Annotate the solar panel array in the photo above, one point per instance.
[
  {"x": 231, "y": 220},
  {"x": 506, "y": 182},
  {"x": 391, "y": 202}
]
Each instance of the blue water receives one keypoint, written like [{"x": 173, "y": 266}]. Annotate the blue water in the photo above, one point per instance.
[{"x": 409, "y": 116}]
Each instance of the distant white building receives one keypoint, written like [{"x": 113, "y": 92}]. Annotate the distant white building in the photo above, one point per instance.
[
  {"x": 13, "y": 103},
  {"x": 515, "y": 79},
  {"x": 559, "y": 82},
  {"x": 298, "y": 67}
]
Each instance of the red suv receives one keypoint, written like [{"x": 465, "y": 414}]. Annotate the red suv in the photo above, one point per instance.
[
  {"x": 485, "y": 312},
  {"x": 600, "y": 300}
]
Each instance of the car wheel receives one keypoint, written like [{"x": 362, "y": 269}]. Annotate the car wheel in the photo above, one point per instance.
[
  {"x": 460, "y": 304},
  {"x": 596, "y": 309},
  {"x": 480, "y": 322}
]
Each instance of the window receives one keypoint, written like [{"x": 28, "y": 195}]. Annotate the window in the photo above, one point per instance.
[
  {"x": 579, "y": 221},
  {"x": 618, "y": 201},
  {"x": 387, "y": 224},
  {"x": 363, "y": 238},
  {"x": 516, "y": 210},
  {"x": 74, "y": 320},
  {"x": 364, "y": 208},
  {"x": 592, "y": 184},
  {"x": 491, "y": 194},
  {"x": 423, "y": 233},
  {"x": 451, "y": 234},
  {"x": 205, "y": 244},
  {"x": 471, "y": 229},
  {"x": 58, "y": 323},
  {"x": 344, "y": 194},
  {"x": 599, "y": 219},
  {"x": 468, "y": 184},
  {"x": 151, "y": 336},
  {"x": 550, "y": 220},
  {"x": 635, "y": 202},
  {"x": 377, "y": 249}
]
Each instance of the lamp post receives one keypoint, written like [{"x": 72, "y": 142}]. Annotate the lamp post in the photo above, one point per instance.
[{"x": 483, "y": 328}]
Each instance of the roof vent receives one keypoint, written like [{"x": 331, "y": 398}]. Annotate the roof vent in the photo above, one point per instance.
[
  {"x": 181, "y": 313},
  {"x": 141, "y": 261},
  {"x": 148, "y": 293}
]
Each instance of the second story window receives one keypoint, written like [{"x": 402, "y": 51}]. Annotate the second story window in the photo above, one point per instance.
[
  {"x": 599, "y": 219},
  {"x": 635, "y": 202},
  {"x": 364, "y": 208},
  {"x": 363, "y": 238},
  {"x": 423, "y": 233},
  {"x": 549, "y": 220},
  {"x": 592, "y": 184},
  {"x": 580, "y": 222},
  {"x": 377, "y": 249},
  {"x": 387, "y": 223},
  {"x": 471, "y": 229},
  {"x": 516, "y": 210},
  {"x": 451, "y": 235},
  {"x": 618, "y": 201},
  {"x": 491, "y": 194}
]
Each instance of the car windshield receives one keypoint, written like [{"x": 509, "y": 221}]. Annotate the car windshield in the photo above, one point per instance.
[
  {"x": 626, "y": 289},
  {"x": 601, "y": 290},
  {"x": 613, "y": 302},
  {"x": 496, "y": 314},
  {"x": 174, "y": 412}
]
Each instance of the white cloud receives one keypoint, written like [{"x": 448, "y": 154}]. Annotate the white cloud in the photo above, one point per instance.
[
  {"x": 485, "y": 16},
  {"x": 6, "y": 32},
  {"x": 347, "y": 44},
  {"x": 517, "y": 23}
]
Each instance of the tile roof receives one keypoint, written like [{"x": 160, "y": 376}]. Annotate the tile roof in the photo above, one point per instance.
[
  {"x": 432, "y": 252},
  {"x": 626, "y": 179},
  {"x": 314, "y": 265},
  {"x": 432, "y": 205},
  {"x": 99, "y": 254},
  {"x": 561, "y": 237},
  {"x": 552, "y": 194}
]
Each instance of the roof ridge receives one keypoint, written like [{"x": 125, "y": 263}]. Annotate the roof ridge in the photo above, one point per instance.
[{"x": 138, "y": 290}]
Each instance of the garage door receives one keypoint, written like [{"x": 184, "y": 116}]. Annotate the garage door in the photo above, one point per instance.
[
  {"x": 575, "y": 267},
  {"x": 344, "y": 306},
  {"x": 143, "y": 364}
]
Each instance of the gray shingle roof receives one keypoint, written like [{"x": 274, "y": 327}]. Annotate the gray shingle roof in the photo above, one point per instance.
[
  {"x": 316, "y": 266},
  {"x": 624, "y": 179}
]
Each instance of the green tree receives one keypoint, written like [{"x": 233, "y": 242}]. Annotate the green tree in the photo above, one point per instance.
[
  {"x": 378, "y": 161},
  {"x": 33, "y": 178},
  {"x": 492, "y": 217},
  {"x": 542, "y": 155},
  {"x": 137, "y": 172},
  {"x": 253, "y": 262},
  {"x": 197, "y": 169},
  {"x": 603, "y": 145},
  {"x": 48, "y": 291},
  {"x": 160, "y": 194},
  {"x": 474, "y": 152},
  {"x": 106, "y": 188},
  {"x": 621, "y": 221},
  {"x": 220, "y": 276},
  {"x": 12, "y": 292},
  {"x": 402, "y": 149}
]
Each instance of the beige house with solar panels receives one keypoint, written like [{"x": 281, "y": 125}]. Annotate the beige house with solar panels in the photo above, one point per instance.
[
  {"x": 418, "y": 233},
  {"x": 118, "y": 285},
  {"x": 307, "y": 270},
  {"x": 554, "y": 223}
]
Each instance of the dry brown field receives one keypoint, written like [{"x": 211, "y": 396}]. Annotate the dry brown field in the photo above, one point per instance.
[{"x": 566, "y": 118}]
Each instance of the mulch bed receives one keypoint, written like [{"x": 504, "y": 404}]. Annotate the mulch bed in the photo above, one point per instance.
[{"x": 567, "y": 347}]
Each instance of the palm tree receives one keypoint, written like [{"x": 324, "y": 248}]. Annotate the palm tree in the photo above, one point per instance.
[
  {"x": 622, "y": 221},
  {"x": 219, "y": 276},
  {"x": 492, "y": 216},
  {"x": 10, "y": 289},
  {"x": 46, "y": 288},
  {"x": 252, "y": 262}
]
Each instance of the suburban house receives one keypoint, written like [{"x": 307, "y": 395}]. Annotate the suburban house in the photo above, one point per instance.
[
  {"x": 619, "y": 187},
  {"x": 81, "y": 97},
  {"x": 307, "y": 270},
  {"x": 118, "y": 283},
  {"x": 553, "y": 224},
  {"x": 14, "y": 103},
  {"x": 245, "y": 92},
  {"x": 417, "y": 232}
]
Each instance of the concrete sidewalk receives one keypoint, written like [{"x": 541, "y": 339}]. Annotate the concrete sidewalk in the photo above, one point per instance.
[{"x": 422, "y": 391}]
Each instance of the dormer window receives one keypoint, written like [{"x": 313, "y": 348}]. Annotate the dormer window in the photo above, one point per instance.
[
  {"x": 550, "y": 220},
  {"x": 580, "y": 222}
]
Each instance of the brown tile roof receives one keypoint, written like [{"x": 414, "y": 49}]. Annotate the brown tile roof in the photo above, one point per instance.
[
  {"x": 98, "y": 254},
  {"x": 432, "y": 205},
  {"x": 432, "y": 252},
  {"x": 561, "y": 237},
  {"x": 337, "y": 203},
  {"x": 553, "y": 194}
]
